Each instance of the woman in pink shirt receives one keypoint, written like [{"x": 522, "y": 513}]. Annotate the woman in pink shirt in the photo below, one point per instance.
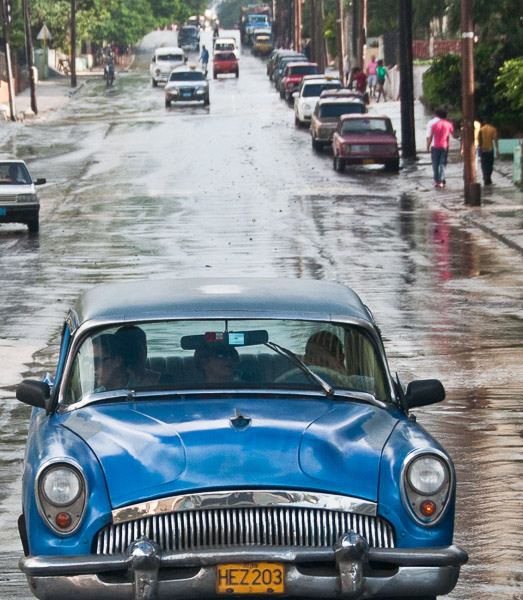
[{"x": 440, "y": 133}]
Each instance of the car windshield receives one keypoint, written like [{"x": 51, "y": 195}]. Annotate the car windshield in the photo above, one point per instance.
[
  {"x": 303, "y": 70},
  {"x": 254, "y": 354},
  {"x": 170, "y": 57},
  {"x": 336, "y": 110},
  {"x": 14, "y": 174},
  {"x": 187, "y": 76},
  {"x": 227, "y": 56},
  {"x": 223, "y": 46},
  {"x": 366, "y": 127},
  {"x": 315, "y": 89}
]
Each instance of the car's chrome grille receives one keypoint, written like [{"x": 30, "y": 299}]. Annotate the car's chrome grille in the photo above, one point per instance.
[
  {"x": 8, "y": 198},
  {"x": 266, "y": 526}
]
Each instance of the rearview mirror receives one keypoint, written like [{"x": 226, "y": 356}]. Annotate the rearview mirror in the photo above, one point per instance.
[{"x": 424, "y": 392}]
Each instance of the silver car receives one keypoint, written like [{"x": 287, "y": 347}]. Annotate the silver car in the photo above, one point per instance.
[
  {"x": 19, "y": 201},
  {"x": 187, "y": 84}
]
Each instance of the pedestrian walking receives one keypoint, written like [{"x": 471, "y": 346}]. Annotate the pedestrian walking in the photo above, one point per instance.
[
  {"x": 440, "y": 133},
  {"x": 359, "y": 79},
  {"x": 204, "y": 58},
  {"x": 372, "y": 76},
  {"x": 381, "y": 72},
  {"x": 434, "y": 119},
  {"x": 487, "y": 140}
]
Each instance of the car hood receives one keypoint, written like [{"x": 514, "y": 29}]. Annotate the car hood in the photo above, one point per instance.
[
  {"x": 14, "y": 190},
  {"x": 176, "y": 85},
  {"x": 152, "y": 449}
]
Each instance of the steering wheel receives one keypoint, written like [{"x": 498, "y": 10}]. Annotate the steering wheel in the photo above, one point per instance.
[{"x": 330, "y": 376}]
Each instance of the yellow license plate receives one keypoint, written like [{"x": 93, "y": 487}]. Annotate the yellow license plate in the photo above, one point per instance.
[
  {"x": 250, "y": 578},
  {"x": 367, "y": 161}
]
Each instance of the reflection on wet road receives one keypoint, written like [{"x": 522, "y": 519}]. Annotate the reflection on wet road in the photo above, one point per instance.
[{"x": 140, "y": 191}]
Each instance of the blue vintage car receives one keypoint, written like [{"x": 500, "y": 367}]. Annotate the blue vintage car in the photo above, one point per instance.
[{"x": 232, "y": 437}]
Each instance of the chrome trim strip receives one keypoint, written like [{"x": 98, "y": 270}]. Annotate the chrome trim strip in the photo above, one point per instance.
[{"x": 244, "y": 499}]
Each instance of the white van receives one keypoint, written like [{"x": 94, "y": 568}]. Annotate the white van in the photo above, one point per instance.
[{"x": 163, "y": 62}]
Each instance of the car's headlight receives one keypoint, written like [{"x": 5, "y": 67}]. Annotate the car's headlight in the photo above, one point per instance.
[
  {"x": 26, "y": 198},
  {"x": 61, "y": 494},
  {"x": 427, "y": 484}
]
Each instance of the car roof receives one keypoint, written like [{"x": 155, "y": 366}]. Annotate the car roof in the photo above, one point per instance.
[
  {"x": 215, "y": 298},
  {"x": 364, "y": 117},
  {"x": 302, "y": 63},
  {"x": 169, "y": 50},
  {"x": 342, "y": 100},
  {"x": 319, "y": 77},
  {"x": 186, "y": 69},
  {"x": 343, "y": 93},
  {"x": 16, "y": 161},
  {"x": 225, "y": 39}
]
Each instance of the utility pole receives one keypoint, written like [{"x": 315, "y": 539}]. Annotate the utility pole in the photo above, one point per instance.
[
  {"x": 29, "y": 52},
  {"x": 297, "y": 25},
  {"x": 340, "y": 38},
  {"x": 408, "y": 132},
  {"x": 472, "y": 190},
  {"x": 5, "y": 27},
  {"x": 73, "y": 43}
]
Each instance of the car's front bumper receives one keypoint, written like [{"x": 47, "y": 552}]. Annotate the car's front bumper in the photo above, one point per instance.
[
  {"x": 18, "y": 212},
  {"x": 348, "y": 571}
]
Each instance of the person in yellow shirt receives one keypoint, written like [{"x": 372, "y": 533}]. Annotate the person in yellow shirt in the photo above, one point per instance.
[{"x": 487, "y": 141}]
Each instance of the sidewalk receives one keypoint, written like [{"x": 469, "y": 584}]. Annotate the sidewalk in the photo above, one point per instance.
[{"x": 501, "y": 210}]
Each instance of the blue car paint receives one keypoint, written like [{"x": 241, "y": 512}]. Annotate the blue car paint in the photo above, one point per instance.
[
  {"x": 406, "y": 439},
  {"x": 176, "y": 446},
  {"x": 49, "y": 442}
]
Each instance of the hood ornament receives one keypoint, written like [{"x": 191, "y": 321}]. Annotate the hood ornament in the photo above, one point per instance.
[{"x": 239, "y": 422}]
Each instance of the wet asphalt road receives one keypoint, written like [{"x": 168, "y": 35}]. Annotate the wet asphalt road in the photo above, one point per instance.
[{"x": 140, "y": 191}]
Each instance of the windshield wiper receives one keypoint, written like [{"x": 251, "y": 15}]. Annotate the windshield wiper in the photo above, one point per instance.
[{"x": 298, "y": 362}]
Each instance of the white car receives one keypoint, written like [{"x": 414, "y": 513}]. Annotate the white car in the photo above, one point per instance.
[
  {"x": 223, "y": 44},
  {"x": 308, "y": 94},
  {"x": 18, "y": 198},
  {"x": 163, "y": 62}
]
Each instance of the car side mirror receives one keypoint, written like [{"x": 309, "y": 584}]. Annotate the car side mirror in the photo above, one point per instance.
[
  {"x": 33, "y": 392},
  {"x": 295, "y": 94},
  {"x": 424, "y": 392},
  {"x": 40, "y": 181}
]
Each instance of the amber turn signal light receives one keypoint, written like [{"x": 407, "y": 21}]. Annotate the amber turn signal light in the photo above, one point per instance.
[
  {"x": 63, "y": 520},
  {"x": 428, "y": 508}
]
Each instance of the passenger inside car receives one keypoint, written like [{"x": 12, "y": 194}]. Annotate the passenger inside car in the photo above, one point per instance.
[
  {"x": 134, "y": 348},
  {"x": 324, "y": 349},
  {"x": 217, "y": 363}
]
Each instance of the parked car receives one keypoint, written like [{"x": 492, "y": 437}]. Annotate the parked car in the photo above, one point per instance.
[
  {"x": 274, "y": 56},
  {"x": 164, "y": 60},
  {"x": 282, "y": 64},
  {"x": 189, "y": 37},
  {"x": 261, "y": 42},
  {"x": 225, "y": 45},
  {"x": 365, "y": 140},
  {"x": 19, "y": 202},
  {"x": 187, "y": 84},
  {"x": 308, "y": 94},
  {"x": 330, "y": 107},
  {"x": 211, "y": 437},
  {"x": 224, "y": 63},
  {"x": 292, "y": 76}
]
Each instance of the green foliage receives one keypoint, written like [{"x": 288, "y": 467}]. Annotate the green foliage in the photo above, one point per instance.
[
  {"x": 442, "y": 82},
  {"x": 330, "y": 33},
  {"x": 509, "y": 84},
  {"x": 229, "y": 12}
]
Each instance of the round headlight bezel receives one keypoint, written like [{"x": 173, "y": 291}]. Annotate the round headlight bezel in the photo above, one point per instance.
[
  {"x": 51, "y": 507},
  {"x": 415, "y": 496}
]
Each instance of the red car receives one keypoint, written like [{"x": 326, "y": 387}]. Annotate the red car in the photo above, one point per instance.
[
  {"x": 365, "y": 140},
  {"x": 293, "y": 74},
  {"x": 225, "y": 62}
]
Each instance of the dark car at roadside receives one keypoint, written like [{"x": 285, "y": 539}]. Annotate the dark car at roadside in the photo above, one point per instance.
[{"x": 365, "y": 140}]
